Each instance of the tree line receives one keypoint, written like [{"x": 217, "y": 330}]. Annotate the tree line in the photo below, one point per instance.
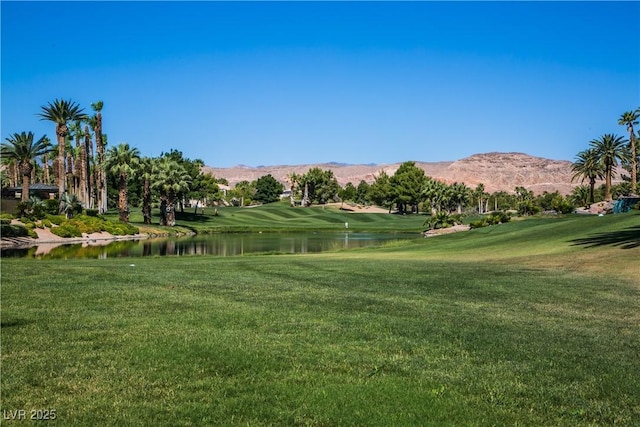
[
  {"x": 88, "y": 174},
  {"x": 599, "y": 161}
]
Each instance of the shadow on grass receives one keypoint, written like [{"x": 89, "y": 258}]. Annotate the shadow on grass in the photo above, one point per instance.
[
  {"x": 14, "y": 322},
  {"x": 192, "y": 217},
  {"x": 626, "y": 239}
]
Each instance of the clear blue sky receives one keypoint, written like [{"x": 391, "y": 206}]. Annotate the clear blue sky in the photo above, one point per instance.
[{"x": 271, "y": 83}]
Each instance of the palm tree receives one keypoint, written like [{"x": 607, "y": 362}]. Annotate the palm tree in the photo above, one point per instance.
[
  {"x": 610, "y": 149},
  {"x": 70, "y": 205},
  {"x": 588, "y": 166},
  {"x": 293, "y": 178},
  {"x": 145, "y": 172},
  {"x": 101, "y": 142},
  {"x": 60, "y": 112},
  {"x": 121, "y": 161},
  {"x": 581, "y": 195},
  {"x": 22, "y": 150},
  {"x": 628, "y": 119},
  {"x": 479, "y": 193},
  {"x": 86, "y": 157},
  {"x": 460, "y": 195},
  {"x": 170, "y": 178}
]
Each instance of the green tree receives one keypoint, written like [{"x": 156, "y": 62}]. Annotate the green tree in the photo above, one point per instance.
[
  {"x": 433, "y": 193},
  {"x": 581, "y": 195},
  {"x": 610, "y": 149},
  {"x": 381, "y": 191},
  {"x": 629, "y": 119},
  {"x": 407, "y": 184},
  {"x": 460, "y": 195},
  {"x": 61, "y": 112},
  {"x": 321, "y": 185},
  {"x": 71, "y": 205},
  {"x": 268, "y": 189},
  {"x": 21, "y": 149},
  {"x": 362, "y": 193},
  {"x": 122, "y": 161},
  {"x": 204, "y": 188},
  {"x": 243, "y": 192},
  {"x": 349, "y": 192},
  {"x": 169, "y": 179},
  {"x": 588, "y": 166}
]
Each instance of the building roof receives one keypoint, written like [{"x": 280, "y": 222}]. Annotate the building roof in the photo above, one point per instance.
[{"x": 37, "y": 187}]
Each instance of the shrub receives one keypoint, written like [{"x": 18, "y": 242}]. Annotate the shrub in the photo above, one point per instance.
[
  {"x": 56, "y": 219},
  {"x": 47, "y": 223},
  {"x": 8, "y": 230},
  {"x": 67, "y": 230},
  {"x": 442, "y": 220},
  {"x": 498, "y": 218},
  {"x": 5, "y": 221},
  {"x": 52, "y": 206},
  {"x": 120, "y": 228},
  {"x": 479, "y": 223},
  {"x": 92, "y": 212}
]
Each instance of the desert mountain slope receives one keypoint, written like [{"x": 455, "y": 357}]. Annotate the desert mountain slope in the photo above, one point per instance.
[{"x": 497, "y": 171}]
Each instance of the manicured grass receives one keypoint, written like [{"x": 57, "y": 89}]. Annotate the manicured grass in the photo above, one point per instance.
[
  {"x": 534, "y": 322},
  {"x": 281, "y": 217}
]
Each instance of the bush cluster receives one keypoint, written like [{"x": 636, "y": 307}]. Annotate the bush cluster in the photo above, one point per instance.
[
  {"x": 492, "y": 219},
  {"x": 9, "y": 230},
  {"x": 67, "y": 230}
]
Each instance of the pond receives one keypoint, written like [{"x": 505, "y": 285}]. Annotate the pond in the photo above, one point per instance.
[{"x": 211, "y": 245}]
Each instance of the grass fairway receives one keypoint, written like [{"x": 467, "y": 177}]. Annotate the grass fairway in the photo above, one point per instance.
[{"x": 532, "y": 323}]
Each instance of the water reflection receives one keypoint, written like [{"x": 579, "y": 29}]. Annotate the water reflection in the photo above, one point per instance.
[{"x": 212, "y": 245}]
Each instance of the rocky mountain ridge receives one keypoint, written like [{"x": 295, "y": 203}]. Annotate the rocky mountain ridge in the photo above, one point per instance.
[{"x": 497, "y": 171}]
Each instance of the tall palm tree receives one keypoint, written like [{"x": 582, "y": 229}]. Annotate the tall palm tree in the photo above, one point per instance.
[
  {"x": 479, "y": 193},
  {"x": 629, "y": 119},
  {"x": 169, "y": 178},
  {"x": 610, "y": 149},
  {"x": 101, "y": 142},
  {"x": 77, "y": 130},
  {"x": 21, "y": 148},
  {"x": 293, "y": 178},
  {"x": 122, "y": 161},
  {"x": 145, "y": 172},
  {"x": 588, "y": 166},
  {"x": 61, "y": 112},
  {"x": 86, "y": 156}
]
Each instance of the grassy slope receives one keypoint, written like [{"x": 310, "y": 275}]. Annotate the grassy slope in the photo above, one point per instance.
[
  {"x": 279, "y": 216},
  {"x": 530, "y": 323}
]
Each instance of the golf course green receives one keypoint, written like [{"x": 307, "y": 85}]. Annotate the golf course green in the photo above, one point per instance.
[{"x": 530, "y": 323}]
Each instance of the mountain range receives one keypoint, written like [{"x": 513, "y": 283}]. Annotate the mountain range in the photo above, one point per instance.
[{"x": 497, "y": 171}]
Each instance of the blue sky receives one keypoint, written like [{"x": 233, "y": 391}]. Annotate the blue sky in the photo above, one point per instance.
[{"x": 272, "y": 83}]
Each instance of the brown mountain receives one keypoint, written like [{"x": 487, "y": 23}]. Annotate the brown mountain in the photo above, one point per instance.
[{"x": 497, "y": 171}]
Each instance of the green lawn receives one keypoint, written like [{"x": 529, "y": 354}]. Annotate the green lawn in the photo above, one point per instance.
[
  {"x": 534, "y": 322},
  {"x": 281, "y": 217}
]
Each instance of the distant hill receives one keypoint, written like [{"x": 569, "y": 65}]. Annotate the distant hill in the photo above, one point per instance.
[{"x": 497, "y": 171}]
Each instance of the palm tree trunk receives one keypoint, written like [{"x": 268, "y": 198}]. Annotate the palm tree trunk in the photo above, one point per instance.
[
  {"x": 85, "y": 179},
  {"x": 45, "y": 165},
  {"x": 61, "y": 133},
  {"x": 25, "y": 168},
  {"x": 171, "y": 210},
  {"x": 122, "y": 199},
  {"x": 146, "y": 201},
  {"x": 634, "y": 161},
  {"x": 607, "y": 183},
  {"x": 592, "y": 186}
]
